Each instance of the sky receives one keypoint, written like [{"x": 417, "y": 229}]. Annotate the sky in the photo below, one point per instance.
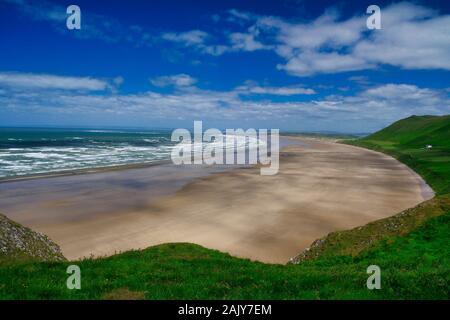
[{"x": 293, "y": 65}]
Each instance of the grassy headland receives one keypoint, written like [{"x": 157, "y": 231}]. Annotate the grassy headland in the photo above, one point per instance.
[
  {"x": 411, "y": 249},
  {"x": 407, "y": 141}
]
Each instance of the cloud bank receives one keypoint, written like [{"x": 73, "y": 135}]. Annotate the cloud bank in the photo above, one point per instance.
[{"x": 369, "y": 109}]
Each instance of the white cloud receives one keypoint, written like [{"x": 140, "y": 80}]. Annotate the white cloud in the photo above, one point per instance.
[
  {"x": 410, "y": 96},
  {"x": 367, "y": 110},
  {"x": 46, "y": 81},
  {"x": 251, "y": 88},
  {"x": 311, "y": 62},
  {"x": 118, "y": 81},
  {"x": 361, "y": 80},
  {"x": 238, "y": 41},
  {"x": 410, "y": 44},
  {"x": 325, "y": 30},
  {"x": 43, "y": 11},
  {"x": 215, "y": 50},
  {"x": 196, "y": 39},
  {"x": 240, "y": 14},
  {"x": 189, "y": 38},
  {"x": 412, "y": 37},
  {"x": 245, "y": 42},
  {"x": 177, "y": 80}
]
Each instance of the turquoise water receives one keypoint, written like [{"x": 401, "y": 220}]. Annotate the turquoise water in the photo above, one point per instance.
[{"x": 31, "y": 151}]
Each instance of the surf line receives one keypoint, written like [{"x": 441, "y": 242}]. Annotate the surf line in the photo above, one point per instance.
[{"x": 236, "y": 146}]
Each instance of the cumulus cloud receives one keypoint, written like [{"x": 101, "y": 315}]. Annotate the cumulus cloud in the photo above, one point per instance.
[
  {"x": 43, "y": 11},
  {"x": 251, "y": 88},
  {"x": 45, "y": 81},
  {"x": 177, "y": 80},
  {"x": 369, "y": 109},
  {"x": 325, "y": 30},
  {"x": 245, "y": 41},
  {"x": 361, "y": 80},
  {"x": 240, "y": 14},
  {"x": 311, "y": 62},
  {"x": 412, "y": 37},
  {"x": 409, "y": 96},
  {"x": 189, "y": 38},
  {"x": 196, "y": 39},
  {"x": 237, "y": 41},
  {"x": 118, "y": 81},
  {"x": 414, "y": 42}
]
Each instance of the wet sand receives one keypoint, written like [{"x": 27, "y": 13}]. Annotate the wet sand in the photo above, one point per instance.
[{"x": 322, "y": 186}]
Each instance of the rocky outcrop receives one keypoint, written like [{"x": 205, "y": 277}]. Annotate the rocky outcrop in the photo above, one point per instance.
[{"x": 19, "y": 242}]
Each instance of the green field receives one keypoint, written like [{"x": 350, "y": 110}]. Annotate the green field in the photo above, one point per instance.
[{"x": 411, "y": 248}]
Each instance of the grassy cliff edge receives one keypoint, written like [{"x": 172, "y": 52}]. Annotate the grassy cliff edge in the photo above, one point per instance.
[
  {"x": 422, "y": 143},
  {"x": 411, "y": 249}
]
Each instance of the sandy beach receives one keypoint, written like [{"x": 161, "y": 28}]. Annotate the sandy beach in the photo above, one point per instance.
[{"x": 322, "y": 186}]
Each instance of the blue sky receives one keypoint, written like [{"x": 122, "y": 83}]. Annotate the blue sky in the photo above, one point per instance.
[{"x": 293, "y": 65}]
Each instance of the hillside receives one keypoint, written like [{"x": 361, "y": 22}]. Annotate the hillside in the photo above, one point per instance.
[
  {"x": 414, "y": 266},
  {"x": 407, "y": 139},
  {"x": 410, "y": 249},
  {"x": 416, "y": 131},
  {"x": 18, "y": 243}
]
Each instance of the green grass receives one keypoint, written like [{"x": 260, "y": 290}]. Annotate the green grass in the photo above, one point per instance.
[
  {"x": 187, "y": 271},
  {"x": 358, "y": 240},
  {"x": 411, "y": 248},
  {"x": 406, "y": 140}
]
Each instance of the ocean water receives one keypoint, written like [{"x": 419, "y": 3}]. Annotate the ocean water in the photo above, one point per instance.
[
  {"x": 25, "y": 151},
  {"x": 31, "y": 151}
]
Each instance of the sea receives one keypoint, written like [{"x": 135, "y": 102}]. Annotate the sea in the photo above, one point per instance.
[
  {"x": 30, "y": 151},
  {"x": 27, "y": 151}
]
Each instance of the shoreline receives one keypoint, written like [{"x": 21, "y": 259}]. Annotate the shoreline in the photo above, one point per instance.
[
  {"x": 426, "y": 190},
  {"x": 322, "y": 187},
  {"x": 111, "y": 168},
  {"x": 93, "y": 170}
]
